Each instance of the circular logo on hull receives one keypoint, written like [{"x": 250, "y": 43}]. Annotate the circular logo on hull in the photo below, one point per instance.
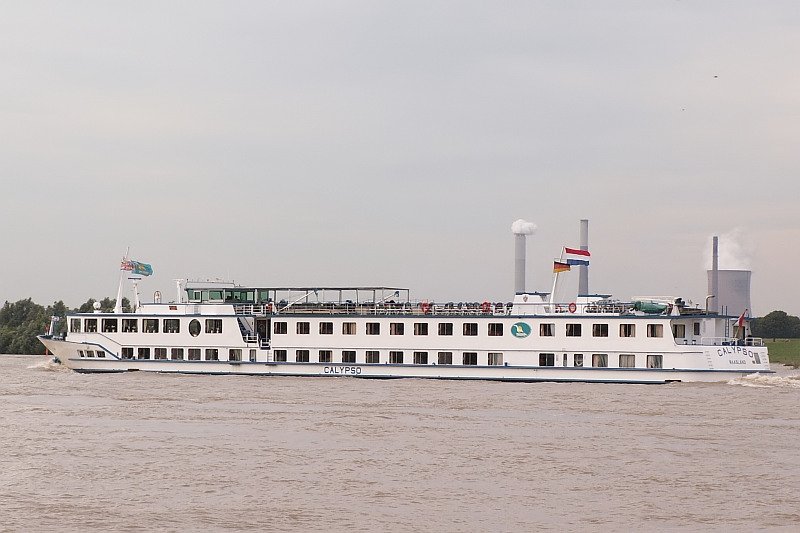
[{"x": 520, "y": 330}]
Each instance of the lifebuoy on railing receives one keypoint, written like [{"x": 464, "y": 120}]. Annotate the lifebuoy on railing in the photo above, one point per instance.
[
  {"x": 426, "y": 307},
  {"x": 572, "y": 307},
  {"x": 486, "y": 307}
]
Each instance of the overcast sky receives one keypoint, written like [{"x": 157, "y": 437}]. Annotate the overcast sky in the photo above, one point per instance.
[{"x": 394, "y": 143}]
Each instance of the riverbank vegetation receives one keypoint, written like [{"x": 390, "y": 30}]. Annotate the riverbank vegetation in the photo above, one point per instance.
[{"x": 784, "y": 351}]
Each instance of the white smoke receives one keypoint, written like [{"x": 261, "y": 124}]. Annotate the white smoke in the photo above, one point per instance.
[
  {"x": 523, "y": 227},
  {"x": 734, "y": 252}
]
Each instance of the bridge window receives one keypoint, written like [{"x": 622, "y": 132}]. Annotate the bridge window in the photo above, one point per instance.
[
  {"x": 280, "y": 328},
  {"x": 627, "y": 360},
  {"x": 176, "y": 354},
  {"x": 655, "y": 330},
  {"x": 420, "y": 358},
  {"x": 577, "y": 359},
  {"x": 109, "y": 325},
  {"x": 194, "y": 328},
  {"x": 573, "y": 330},
  {"x": 373, "y": 328},
  {"x": 679, "y": 331},
  {"x": 130, "y": 325},
  {"x": 470, "y": 329},
  {"x": 303, "y": 328},
  {"x": 348, "y": 328},
  {"x": 101, "y": 353},
  {"x": 348, "y": 356},
  {"x": 127, "y": 353},
  {"x": 194, "y": 354},
  {"x": 326, "y": 328},
  {"x": 627, "y": 330},
  {"x": 547, "y": 330},
  {"x": 235, "y": 354},
  {"x": 172, "y": 325},
  {"x": 143, "y": 353},
  {"x": 150, "y": 325},
  {"x": 420, "y": 328},
  {"x": 599, "y": 330},
  {"x": 655, "y": 361},
  {"x": 547, "y": 359},
  {"x": 325, "y": 356},
  {"x": 446, "y": 328},
  {"x": 495, "y": 329},
  {"x": 90, "y": 325},
  {"x": 212, "y": 354},
  {"x": 373, "y": 356},
  {"x": 396, "y": 358},
  {"x": 495, "y": 359},
  {"x": 301, "y": 356},
  {"x": 469, "y": 358},
  {"x": 396, "y": 328},
  {"x": 279, "y": 356},
  {"x": 75, "y": 325},
  {"x": 89, "y": 353},
  {"x": 600, "y": 360}
]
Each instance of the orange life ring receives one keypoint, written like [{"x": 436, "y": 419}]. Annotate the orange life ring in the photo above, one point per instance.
[
  {"x": 426, "y": 307},
  {"x": 486, "y": 307},
  {"x": 572, "y": 307}
]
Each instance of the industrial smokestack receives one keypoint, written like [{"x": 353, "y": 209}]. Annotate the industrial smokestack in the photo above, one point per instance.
[
  {"x": 583, "y": 270},
  {"x": 714, "y": 304},
  {"x": 521, "y": 229}
]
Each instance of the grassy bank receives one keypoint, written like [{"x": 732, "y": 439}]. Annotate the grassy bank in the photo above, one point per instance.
[{"x": 786, "y": 351}]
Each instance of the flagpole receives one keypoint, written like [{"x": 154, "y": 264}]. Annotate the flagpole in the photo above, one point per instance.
[{"x": 555, "y": 279}]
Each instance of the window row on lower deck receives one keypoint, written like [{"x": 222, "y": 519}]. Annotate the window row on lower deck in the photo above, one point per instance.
[{"x": 186, "y": 354}]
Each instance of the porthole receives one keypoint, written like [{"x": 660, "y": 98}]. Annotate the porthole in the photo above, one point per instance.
[{"x": 194, "y": 328}]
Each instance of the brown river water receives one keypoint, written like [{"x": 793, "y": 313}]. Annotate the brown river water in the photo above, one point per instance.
[{"x": 157, "y": 452}]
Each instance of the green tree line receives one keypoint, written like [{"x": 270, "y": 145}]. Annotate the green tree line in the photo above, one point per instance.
[{"x": 22, "y": 321}]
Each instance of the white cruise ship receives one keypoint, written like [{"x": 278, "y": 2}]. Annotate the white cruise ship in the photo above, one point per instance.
[{"x": 379, "y": 332}]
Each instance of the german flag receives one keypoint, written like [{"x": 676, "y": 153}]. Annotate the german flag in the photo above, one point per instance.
[{"x": 559, "y": 266}]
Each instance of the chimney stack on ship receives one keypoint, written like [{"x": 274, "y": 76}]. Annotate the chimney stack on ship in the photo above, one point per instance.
[
  {"x": 729, "y": 286},
  {"x": 521, "y": 229}
]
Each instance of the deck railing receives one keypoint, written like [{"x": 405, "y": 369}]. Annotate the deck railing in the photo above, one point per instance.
[{"x": 731, "y": 341}]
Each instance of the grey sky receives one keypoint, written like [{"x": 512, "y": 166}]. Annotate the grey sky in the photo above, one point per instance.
[{"x": 388, "y": 143}]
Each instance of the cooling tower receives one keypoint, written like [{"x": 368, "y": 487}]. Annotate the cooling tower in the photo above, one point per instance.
[{"x": 734, "y": 291}]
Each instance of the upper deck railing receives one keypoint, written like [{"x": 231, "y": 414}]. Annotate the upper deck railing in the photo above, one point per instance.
[{"x": 731, "y": 341}]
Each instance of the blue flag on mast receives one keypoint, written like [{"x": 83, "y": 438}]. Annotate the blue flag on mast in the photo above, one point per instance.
[{"x": 137, "y": 268}]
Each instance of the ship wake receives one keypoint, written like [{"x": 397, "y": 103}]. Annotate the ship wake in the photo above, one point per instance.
[{"x": 790, "y": 381}]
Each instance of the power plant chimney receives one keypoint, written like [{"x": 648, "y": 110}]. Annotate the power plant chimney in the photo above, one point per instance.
[
  {"x": 521, "y": 229},
  {"x": 714, "y": 303},
  {"x": 583, "y": 270}
]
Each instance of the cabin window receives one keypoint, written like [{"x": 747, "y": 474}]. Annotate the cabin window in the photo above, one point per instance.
[
  {"x": 252, "y": 356},
  {"x": 213, "y": 325},
  {"x": 89, "y": 353},
  {"x": 547, "y": 330},
  {"x": 279, "y": 356},
  {"x": 446, "y": 328},
  {"x": 150, "y": 325},
  {"x": 396, "y": 328},
  {"x": 109, "y": 325},
  {"x": 420, "y": 358},
  {"x": 235, "y": 354},
  {"x": 90, "y": 325},
  {"x": 655, "y": 330},
  {"x": 470, "y": 329},
  {"x": 679, "y": 331},
  {"x": 160, "y": 353},
  {"x": 627, "y": 330},
  {"x": 348, "y": 356},
  {"x": 194, "y": 354},
  {"x": 627, "y": 360},
  {"x": 280, "y": 328},
  {"x": 495, "y": 329},
  {"x": 101, "y": 353},
  {"x": 176, "y": 354},
  {"x": 301, "y": 356},
  {"x": 143, "y": 353},
  {"x": 396, "y": 358},
  {"x": 469, "y": 358},
  {"x": 81, "y": 353},
  {"x": 130, "y": 325},
  {"x": 373, "y": 356},
  {"x": 172, "y": 325},
  {"x": 445, "y": 358},
  {"x": 573, "y": 330},
  {"x": 194, "y": 328},
  {"x": 420, "y": 328},
  {"x": 212, "y": 354},
  {"x": 655, "y": 361},
  {"x": 348, "y": 328},
  {"x": 495, "y": 359},
  {"x": 599, "y": 330},
  {"x": 547, "y": 359},
  {"x": 75, "y": 325},
  {"x": 600, "y": 360},
  {"x": 127, "y": 353},
  {"x": 373, "y": 328},
  {"x": 303, "y": 328},
  {"x": 326, "y": 328},
  {"x": 577, "y": 359},
  {"x": 697, "y": 328},
  {"x": 325, "y": 356}
]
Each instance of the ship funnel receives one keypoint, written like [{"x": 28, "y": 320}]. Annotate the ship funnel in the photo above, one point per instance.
[
  {"x": 583, "y": 270},
  {"x": 521, "y": 229}
]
